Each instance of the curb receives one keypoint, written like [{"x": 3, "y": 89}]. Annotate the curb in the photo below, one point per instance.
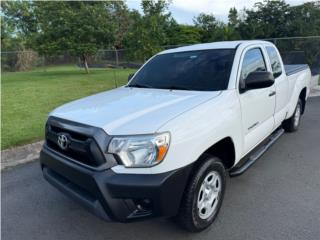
[
  {"x": 315, "y": 87},
  {"x": 315, "y": 91},
  {"x": 18, "y": 155}
]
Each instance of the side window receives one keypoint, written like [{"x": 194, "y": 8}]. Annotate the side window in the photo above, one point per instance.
[
  {"x": 275, "y": 61},
  {"x": 253, "y": 61}
]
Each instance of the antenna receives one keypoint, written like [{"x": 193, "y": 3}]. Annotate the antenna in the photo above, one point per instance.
[
  {"x": 117, "y": 66},
  {"x": 115, "y": 78}
]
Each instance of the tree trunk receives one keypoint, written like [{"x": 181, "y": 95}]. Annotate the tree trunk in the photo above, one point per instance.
[{"x": 85, "y": 63}]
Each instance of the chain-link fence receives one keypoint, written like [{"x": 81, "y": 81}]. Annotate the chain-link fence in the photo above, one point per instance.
[
  {"x": 295, "y": 50},
  {"x": 300, "y": 50}
]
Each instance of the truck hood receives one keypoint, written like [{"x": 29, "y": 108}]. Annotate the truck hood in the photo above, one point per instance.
[{"x": 126, "y": 110}]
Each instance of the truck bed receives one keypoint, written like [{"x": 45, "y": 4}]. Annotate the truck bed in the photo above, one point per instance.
[{"x": 294, "y": 68}]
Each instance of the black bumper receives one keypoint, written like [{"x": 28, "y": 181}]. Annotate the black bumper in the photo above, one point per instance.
[{"x": 116, "y": 197}]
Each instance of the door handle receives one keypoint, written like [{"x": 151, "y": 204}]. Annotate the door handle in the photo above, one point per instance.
[{"x": 272, "y": 93}]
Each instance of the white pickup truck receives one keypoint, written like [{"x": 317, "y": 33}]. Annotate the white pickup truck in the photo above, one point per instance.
[{"x": 163, "y": 144}]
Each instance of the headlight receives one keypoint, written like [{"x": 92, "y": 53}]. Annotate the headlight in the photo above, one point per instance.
[{"x": 140, "y": 151}]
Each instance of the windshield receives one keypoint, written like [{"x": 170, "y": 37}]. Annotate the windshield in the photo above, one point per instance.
[{"x": 205, "y": 70}]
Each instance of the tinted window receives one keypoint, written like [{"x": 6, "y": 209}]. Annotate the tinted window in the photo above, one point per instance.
[
  {"x": 275, "y": 61},
  {"x": 205, "y": 70},
  {"x": 252, "y": 61}
]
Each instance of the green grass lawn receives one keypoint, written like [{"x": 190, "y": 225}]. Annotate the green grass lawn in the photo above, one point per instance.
[{"x": 28, "y": 97}]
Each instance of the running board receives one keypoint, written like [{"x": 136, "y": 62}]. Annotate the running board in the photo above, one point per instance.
[{"x": 252, "y": 158}]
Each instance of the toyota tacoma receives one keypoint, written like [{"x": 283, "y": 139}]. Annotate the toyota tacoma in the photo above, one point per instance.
[{"x": 163, "y": 144}]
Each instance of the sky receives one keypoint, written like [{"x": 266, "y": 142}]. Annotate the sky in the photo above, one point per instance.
[{"x": 185, "y": 10}]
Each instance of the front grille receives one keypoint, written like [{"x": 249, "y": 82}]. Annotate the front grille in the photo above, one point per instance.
[
  {"x": 74, "y": 135},
  {"x": 81, "y": 148}
]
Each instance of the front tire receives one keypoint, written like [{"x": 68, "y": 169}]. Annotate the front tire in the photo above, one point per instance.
[
  {"x": 204, "y": 195},
  {"x": 292, "y": 124}
]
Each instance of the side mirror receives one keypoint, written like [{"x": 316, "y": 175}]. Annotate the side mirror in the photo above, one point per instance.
[
  {"x": 130, "y": 76},
  {"x": 259, "y": 79}
]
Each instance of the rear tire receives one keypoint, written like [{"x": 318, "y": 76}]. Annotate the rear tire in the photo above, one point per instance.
[
  {"x": 203, "y": 196},
  {"x": 292, "y": 124}
]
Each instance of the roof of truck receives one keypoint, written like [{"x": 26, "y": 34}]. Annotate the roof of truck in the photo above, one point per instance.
[{"x": 213, "y": 45}]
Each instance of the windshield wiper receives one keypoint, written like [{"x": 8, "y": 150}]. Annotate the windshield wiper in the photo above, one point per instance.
[
  {"x": 138, "y": 85},
  {"x": 177, "y": 88}
]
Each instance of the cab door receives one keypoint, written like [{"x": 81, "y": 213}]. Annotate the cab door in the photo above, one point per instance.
[{"x": 257, "y": 105}]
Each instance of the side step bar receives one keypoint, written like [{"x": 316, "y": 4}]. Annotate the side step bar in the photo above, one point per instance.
[{"x": 252, "y": 158}]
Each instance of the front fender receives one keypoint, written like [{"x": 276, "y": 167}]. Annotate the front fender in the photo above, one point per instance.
[{"x": 193, "y": 132}]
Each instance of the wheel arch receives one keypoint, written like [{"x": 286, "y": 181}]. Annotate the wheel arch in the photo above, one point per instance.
[
  {"x": 302, "y": 97},
  {"x": 224, "y": 149}
]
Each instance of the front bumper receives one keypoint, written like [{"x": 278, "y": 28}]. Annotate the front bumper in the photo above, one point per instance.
[{"x": 112, "y": 196}]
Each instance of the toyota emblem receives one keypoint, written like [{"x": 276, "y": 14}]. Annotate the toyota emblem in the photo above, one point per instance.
[{"x": 63, "y": 141}]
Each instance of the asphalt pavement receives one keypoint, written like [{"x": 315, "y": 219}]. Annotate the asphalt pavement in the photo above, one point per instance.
[{"x": 277, "y": 198}]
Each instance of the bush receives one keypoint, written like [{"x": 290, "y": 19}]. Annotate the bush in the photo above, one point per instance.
[{"x": 26, "y": 60}]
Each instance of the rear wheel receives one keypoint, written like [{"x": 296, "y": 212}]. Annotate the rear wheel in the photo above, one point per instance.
[
  {"x": 292, "y": 124},
  {"x": 203, "y": 196}
]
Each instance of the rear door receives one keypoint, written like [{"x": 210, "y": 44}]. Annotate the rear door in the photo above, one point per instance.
[
  {"x": 281, "y": 84},
  {"x": 257, "y": 105}
]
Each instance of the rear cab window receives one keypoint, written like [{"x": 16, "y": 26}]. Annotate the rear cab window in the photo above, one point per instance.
[{"x": 274, "y": 61}]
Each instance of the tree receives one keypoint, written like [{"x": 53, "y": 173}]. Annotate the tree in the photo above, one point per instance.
[
  {"x": 148, "y": 32},
  {"x": 13, "y": 36},
  {"x": 6, "y": 34},
  {"x": 20, "y": 15},
  {"x": 17, "y": 24},
  {"x": 7, "y": 43},
  {"x": 212, "y": 30},
  {"x": 208, "y": 26},
  {"x": 233, "y": 19},
  {"x": 121, "y": 19},
  {"x": 231, "y": 31},
  {"x": 268, "y": 19},
  {"x": 305, "y": 19},
  {"x": 82, "y": 28},
  {"x": 180, "y": 34}
]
